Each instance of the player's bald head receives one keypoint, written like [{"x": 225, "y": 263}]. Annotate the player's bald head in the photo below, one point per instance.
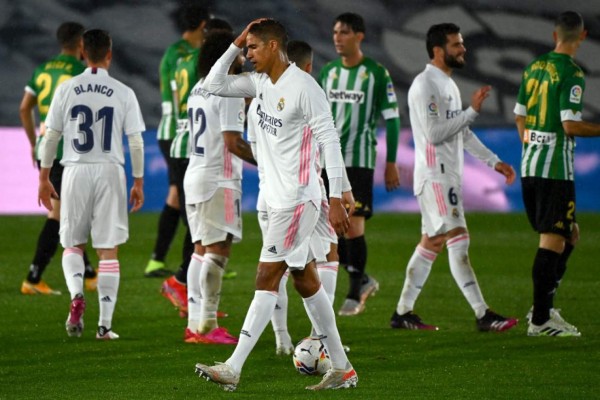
[{"x": 569, "y": 26}]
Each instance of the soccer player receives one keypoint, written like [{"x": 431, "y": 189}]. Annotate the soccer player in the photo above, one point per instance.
[
  {"x": 359, "y": 90},
  {"x": 213, "y": 192},
  {"x": 291, "y": 114},
  {"x": 548, "y": 117},
  {"x": 441, "y": 134},
  {"x": 93, "y": 111},
  {"x": 186, "y": 76},
  {"x": 39, "y": 92},
  {"x": 301, "y": 54},
  {"x": 191, "y": 20}
]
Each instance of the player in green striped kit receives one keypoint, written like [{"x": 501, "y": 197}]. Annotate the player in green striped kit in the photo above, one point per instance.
[
  {"x": 191, "y": 19},
  {"x": 39, "y": 92},
  {"x": 548, "y": 117},
  {"x": 359, "y": 90}
]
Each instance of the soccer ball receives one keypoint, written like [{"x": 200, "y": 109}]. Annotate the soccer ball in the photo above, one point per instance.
[{"x": 310, "y": 357}]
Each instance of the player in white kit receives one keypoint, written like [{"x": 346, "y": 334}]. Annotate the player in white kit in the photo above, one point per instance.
[
  {"x": 93, "y": 111},
  {"x": 213, "y": 191},
  {"x": 291, "y": 113},
  {"x": 441, "y": 134}
]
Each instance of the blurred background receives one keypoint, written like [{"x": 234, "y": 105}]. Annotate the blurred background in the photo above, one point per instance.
[{"x": 501, "y": 37}]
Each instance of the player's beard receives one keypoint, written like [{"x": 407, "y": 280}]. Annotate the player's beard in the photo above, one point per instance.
[{"x": 453, "y": 61}]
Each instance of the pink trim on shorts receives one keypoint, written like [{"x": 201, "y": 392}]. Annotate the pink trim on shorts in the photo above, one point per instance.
[
  {"x": 198, "y": 257},
  {"x": 229, "y": 211},
  {"x": 329, "y": 266},
  {"x": 457, "y": 239},
  {"x": 427, "y": 254},
  {"x": 292, "y": 230},
  {"x": 439, "y": 198},
  {"x": 73, "y": 250},
  {"x": 305, "y": 150},
  {"x": 227, "y": 168},
  {"x": 109, "y": 266}
]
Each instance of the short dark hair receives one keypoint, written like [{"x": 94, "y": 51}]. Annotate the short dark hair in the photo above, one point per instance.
[
  {"x": 299, "y": 52},
  {"x": 437, "y": 36},
  {"x": 189, "y": 16},
  {"x": 214, "y": 46},
  {"x": 569, "y": 25},
  {"x": 217, "y": 24},
  {"x": 270, "y": 29},
  {"x": 96, "y": 44},
  {"x": 354, "y": 21},
  {"x": 69, "y": 34}
]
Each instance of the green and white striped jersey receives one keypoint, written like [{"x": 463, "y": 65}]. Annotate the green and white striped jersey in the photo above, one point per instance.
[
  {"x": 358, "y": 95},
  {"x": 186, "y": 76},
  {"x": 168, "y": 63},
  {"x": 551, "y": 92},
  {"x": 44, "y": 81}
]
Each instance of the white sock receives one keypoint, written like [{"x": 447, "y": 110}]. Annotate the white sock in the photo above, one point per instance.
[
  {"x": 460, "y": 266},
  {"x": 73, "y": 269},
  {"x": 257, "y": 318},
  {"x": 328, "y": 274},
  {"x": 320, "y": 312},
  {"x": 279, "y": 318},
  {"x": 211, "y": 278},
  {"x": 194, "y": 292},
  {"x": 417, "y": 271},
  {"x": 108, "y": 287}
]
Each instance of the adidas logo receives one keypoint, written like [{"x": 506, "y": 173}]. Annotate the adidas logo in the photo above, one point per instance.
[
  {"x": 106, "y": 299},
  {"x": 272, "y": 249},
  {"x": 78, "y": 275}
]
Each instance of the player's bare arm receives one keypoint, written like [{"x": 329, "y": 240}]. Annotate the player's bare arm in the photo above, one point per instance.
[
  {"x": 46, "y": 191},
  {"x": 136, "y": 196},
  {"x": 28, "y": 121},
  {"x": 238, "y": 146},
  {"x": 348, "y": 202},
  {"x": 391, "y": 176},
  {"x": 338, "y": 217},
  {"x": 479, "y": 96},
  {"x": 520, "y": 122},
  {"x": 506, "y": 170},
  {"x": 581, "y": 128}
]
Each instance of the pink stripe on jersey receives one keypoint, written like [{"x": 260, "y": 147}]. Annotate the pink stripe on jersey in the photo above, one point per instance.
[
  {"x": 457, "y": 239},
  {"x": 227, "y": 168},
  {"x": 73, "y": 250},
  {"x": 228, "y": 206},
  {"x": 305, "y": 150},
  {"x": 430, "y": 155},
  {"x": 428, "y": 254},
  {"x": 439, "y": 198},
  {"x": 290, "y": 235},
  {"x": 110, "y": 266},
  {"x": 198, "y": 257}
]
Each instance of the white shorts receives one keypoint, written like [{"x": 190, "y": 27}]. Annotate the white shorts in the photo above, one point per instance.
[
  {"x": 441, "y": 207},
  {"x": 325, "y": 233},
  {"x": 212, "y": 220},
  {"x": 93, "y": 199},
  {"x": 290, "y": 235}
]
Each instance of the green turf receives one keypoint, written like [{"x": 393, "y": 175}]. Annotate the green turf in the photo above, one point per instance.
[{"x": 151, "y": 361}]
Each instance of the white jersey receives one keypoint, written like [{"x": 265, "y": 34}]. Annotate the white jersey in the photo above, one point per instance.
[
  {"x": 440, "y": 130},
  {"x": 291, "y": 116},
  {"x": 211, "y": 165},
  {"x": 93, "y": 111}
]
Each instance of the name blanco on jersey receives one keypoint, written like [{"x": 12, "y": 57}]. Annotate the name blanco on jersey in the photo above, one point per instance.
[
  {"x": 267, "y": 122},
  {"x": 96, "y": 88},
  {"x": 346, "y": 96}
]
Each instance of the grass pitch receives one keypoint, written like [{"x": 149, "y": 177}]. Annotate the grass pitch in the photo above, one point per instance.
[{"x": 151, "y": 361}]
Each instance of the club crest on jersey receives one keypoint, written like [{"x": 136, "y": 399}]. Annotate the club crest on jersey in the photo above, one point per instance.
[
  {"x": 575, "y": 96},
  {"x": 281, "y": 104},
  {"x": 364, "y": 76}
]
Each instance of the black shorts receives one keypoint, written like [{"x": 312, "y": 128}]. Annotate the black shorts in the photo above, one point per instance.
[
  {"x": 550, "y": 205},
  {"x": 165, "y": 149},
  {"x": 179, "y": 167},
  {"x": 361, "y": 180},
  {"x": 56, "y": 173}
]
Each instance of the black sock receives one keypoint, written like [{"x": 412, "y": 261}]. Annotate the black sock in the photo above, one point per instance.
[
  {"x": 167, "y": 228},
  {"x": 561, "y": 268},
  {"x": 544, "y": 280},
  {"x": 357, "y": 261},
  {"x": 186, "y": 256},
  {"x": 342, "y": 250},
  {"x": 89, "y": 272},
  {"x": 46, "y": 248}
]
